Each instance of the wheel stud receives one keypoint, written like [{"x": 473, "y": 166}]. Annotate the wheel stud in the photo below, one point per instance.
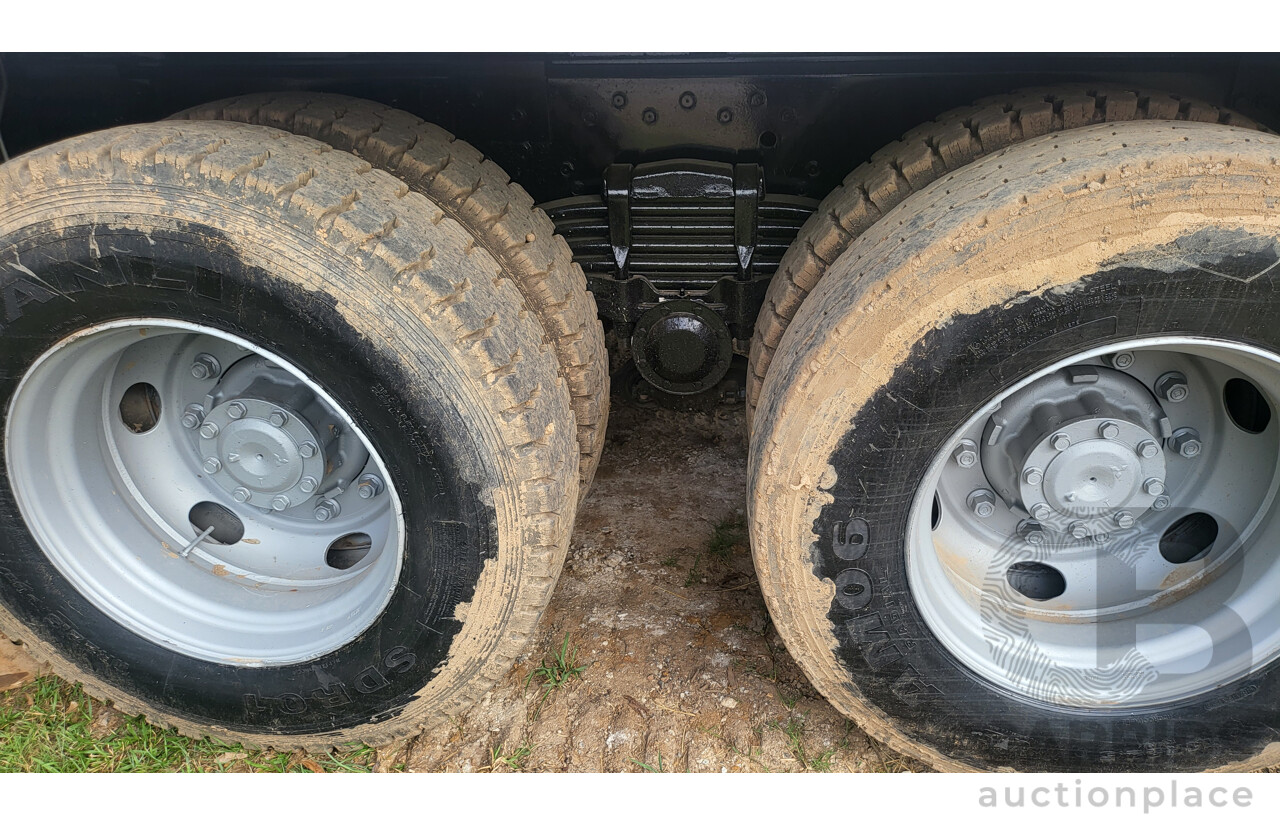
[
  {"x": 1041, "y": 511},
  {"x": 209, "y": 430},
  {"x": 205, "y": 367},
  {"x": 1078, "y": 530},
  {"x": 192, "y": 416},
  {"x": 308, "y": 484},
  {"x": 1060, "y": 442},
  {"x": 966, "y": 454},
  {"x": 1148, "y": 449},
  {"x": 1109, "y": 430},
  {"x": 242, "y": 494},
  {"x": 1153, "y": 487},
  {"x": 212, "y": 465},
  {"x": 327, "y": 509},
  {"x": 235, "y": 410},
  {"x": 1123, "y": 520},
  {"x": 1033, "y": 476},
  {"x": 1120, "y": 360},
  {"x": 982, "y": 503},
  {"x": 1031, "y": 532},
  {"x": 278, "y": 419},
  {"x": 1172, "y": 386},
  {"x": 370, "y": 485},
  {"x": 280, "y": 503},
  {"x": 307, "y": 449},
  {"x": 1186, "y": 442},
  {"x": 1161, "y": 503}
]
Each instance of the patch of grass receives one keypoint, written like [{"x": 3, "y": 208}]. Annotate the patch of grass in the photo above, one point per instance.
[
  {"x": 693, "y": 571},
  {"x": 729, "y": 533},
  {"x": 670, "y": 561},
  {"x": 556, "y": 673},
  {"x": 794, "y": 731},
  {"x": 51, "y": 726},
  {"x": 513, "y": 761},
  {"x": 659, "y": 768}
]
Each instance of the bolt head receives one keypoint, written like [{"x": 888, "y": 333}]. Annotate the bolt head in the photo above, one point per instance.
[
  {"x": 242, "y": 494},
  {"x": 1153, "y": 487},
  {"x": 327, "y": 509},
  {"x": 1078, "y": 530},
  {"x": 1148, "y": 449},
  {"x": 236, "y": 410},
  {"x": 209, "y": 430},
  {"x": 308, "y": 484},
  {"x": 1161, "y": 503},
  {"x": 199, "y": 371},
  {"x": 966, "y": 454},
  {"x": 190, "y": 420},
  {"x": 1172, "y": 386},
  {"x": 1060, "y": 442},
  {"x": 205, "y": 366},
  {"x": 1186, "y": 442},
  {"x": 280, "y": 503},
  {"x": 1121, "y": 360},
  {"x": 982, "y": 503},
  {"x": 1189, "y": 449},
  {"x": 1032, "y": 533},
  {"x": 370, "y": 485},
  {"x": 307, "y": 449},
  {"x": 1123, "y": 520},
  {"x": 725, "y": 115},
  {"x": 1041, "y": 511},
  {"x": 1109, "y": 430},
  {"x": 212, "y": 465},
  {"x": 278, "y": 419},
  {"x": 1033, "y": 476}
]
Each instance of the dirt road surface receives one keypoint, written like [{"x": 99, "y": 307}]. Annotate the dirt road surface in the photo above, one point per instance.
[{"x": 681, "y": 669}]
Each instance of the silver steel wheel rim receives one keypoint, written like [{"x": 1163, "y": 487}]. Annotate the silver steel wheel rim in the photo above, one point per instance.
[
  {"x": 1131, "y": 626},
  {"x": 111, "y": 506}
]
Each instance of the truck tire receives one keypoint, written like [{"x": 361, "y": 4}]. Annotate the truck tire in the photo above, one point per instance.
[
  {"x": 927, "y": 153},
  {"x": 286, "y": 458},
  {"x": 1010, "y": 481},
  {"x": 474, "y": 191}
]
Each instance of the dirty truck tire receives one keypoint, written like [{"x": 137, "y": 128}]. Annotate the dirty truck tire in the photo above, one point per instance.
[
  {"x": 474, "y": 191},
  {"x": 382, "y": 300},
  {"x": 1107, "y": 238},
  {"x": 927, "y": 153}
]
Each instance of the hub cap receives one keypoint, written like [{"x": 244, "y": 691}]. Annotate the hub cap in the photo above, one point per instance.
[
  {"x": 202, "y": 492},
  {"x": 1115, "y": 544}
]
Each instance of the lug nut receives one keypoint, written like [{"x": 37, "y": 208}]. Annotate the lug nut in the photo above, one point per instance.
[
  {"x": 280, "y": 502},
  {"x": 1153, "y": 487},
  {"x": 307, "y": 449},
  {"x": 1120, "y": 360},
  {"x": 1031, "y": 532},
  {"x": 212, "y": 465},
  {"x": 1060, "y": 442},
  {"x": 1186, "y": 442},
  {"x": 205, "y": 367},
  {"x": 1041, "y": 511},
  {"x": 209, "y": 430},
  {"x": 1123, "y": 520},
  {"x": 1161, "y": 503},
  {"x": 1109, "y": 430},
  {"x": 1172, "y": 386},
  {"x": 982, "y": 503},
  {"x": 370, "y": 485},
  {"x": 1078, "y": 530},
  {"x": 308, "y": 484},
  {"x": 192, "y": 416},
  {"x": 242, "y": 494},
  {"x": 278, "y": 419},
  {"x": 235, "y": 410},
  {"x": 327, "y": 509},
  {"x": 966, "y": 454},
  {"x": 1148, "y": 449},
  {"x": 1033, "y": 476}
]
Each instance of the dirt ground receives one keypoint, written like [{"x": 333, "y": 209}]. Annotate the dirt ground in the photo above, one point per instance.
[{"x": 681, "y": 667}]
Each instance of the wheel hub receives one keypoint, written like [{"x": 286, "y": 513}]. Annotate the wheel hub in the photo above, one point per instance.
[{"x": 264, "y": 449}]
